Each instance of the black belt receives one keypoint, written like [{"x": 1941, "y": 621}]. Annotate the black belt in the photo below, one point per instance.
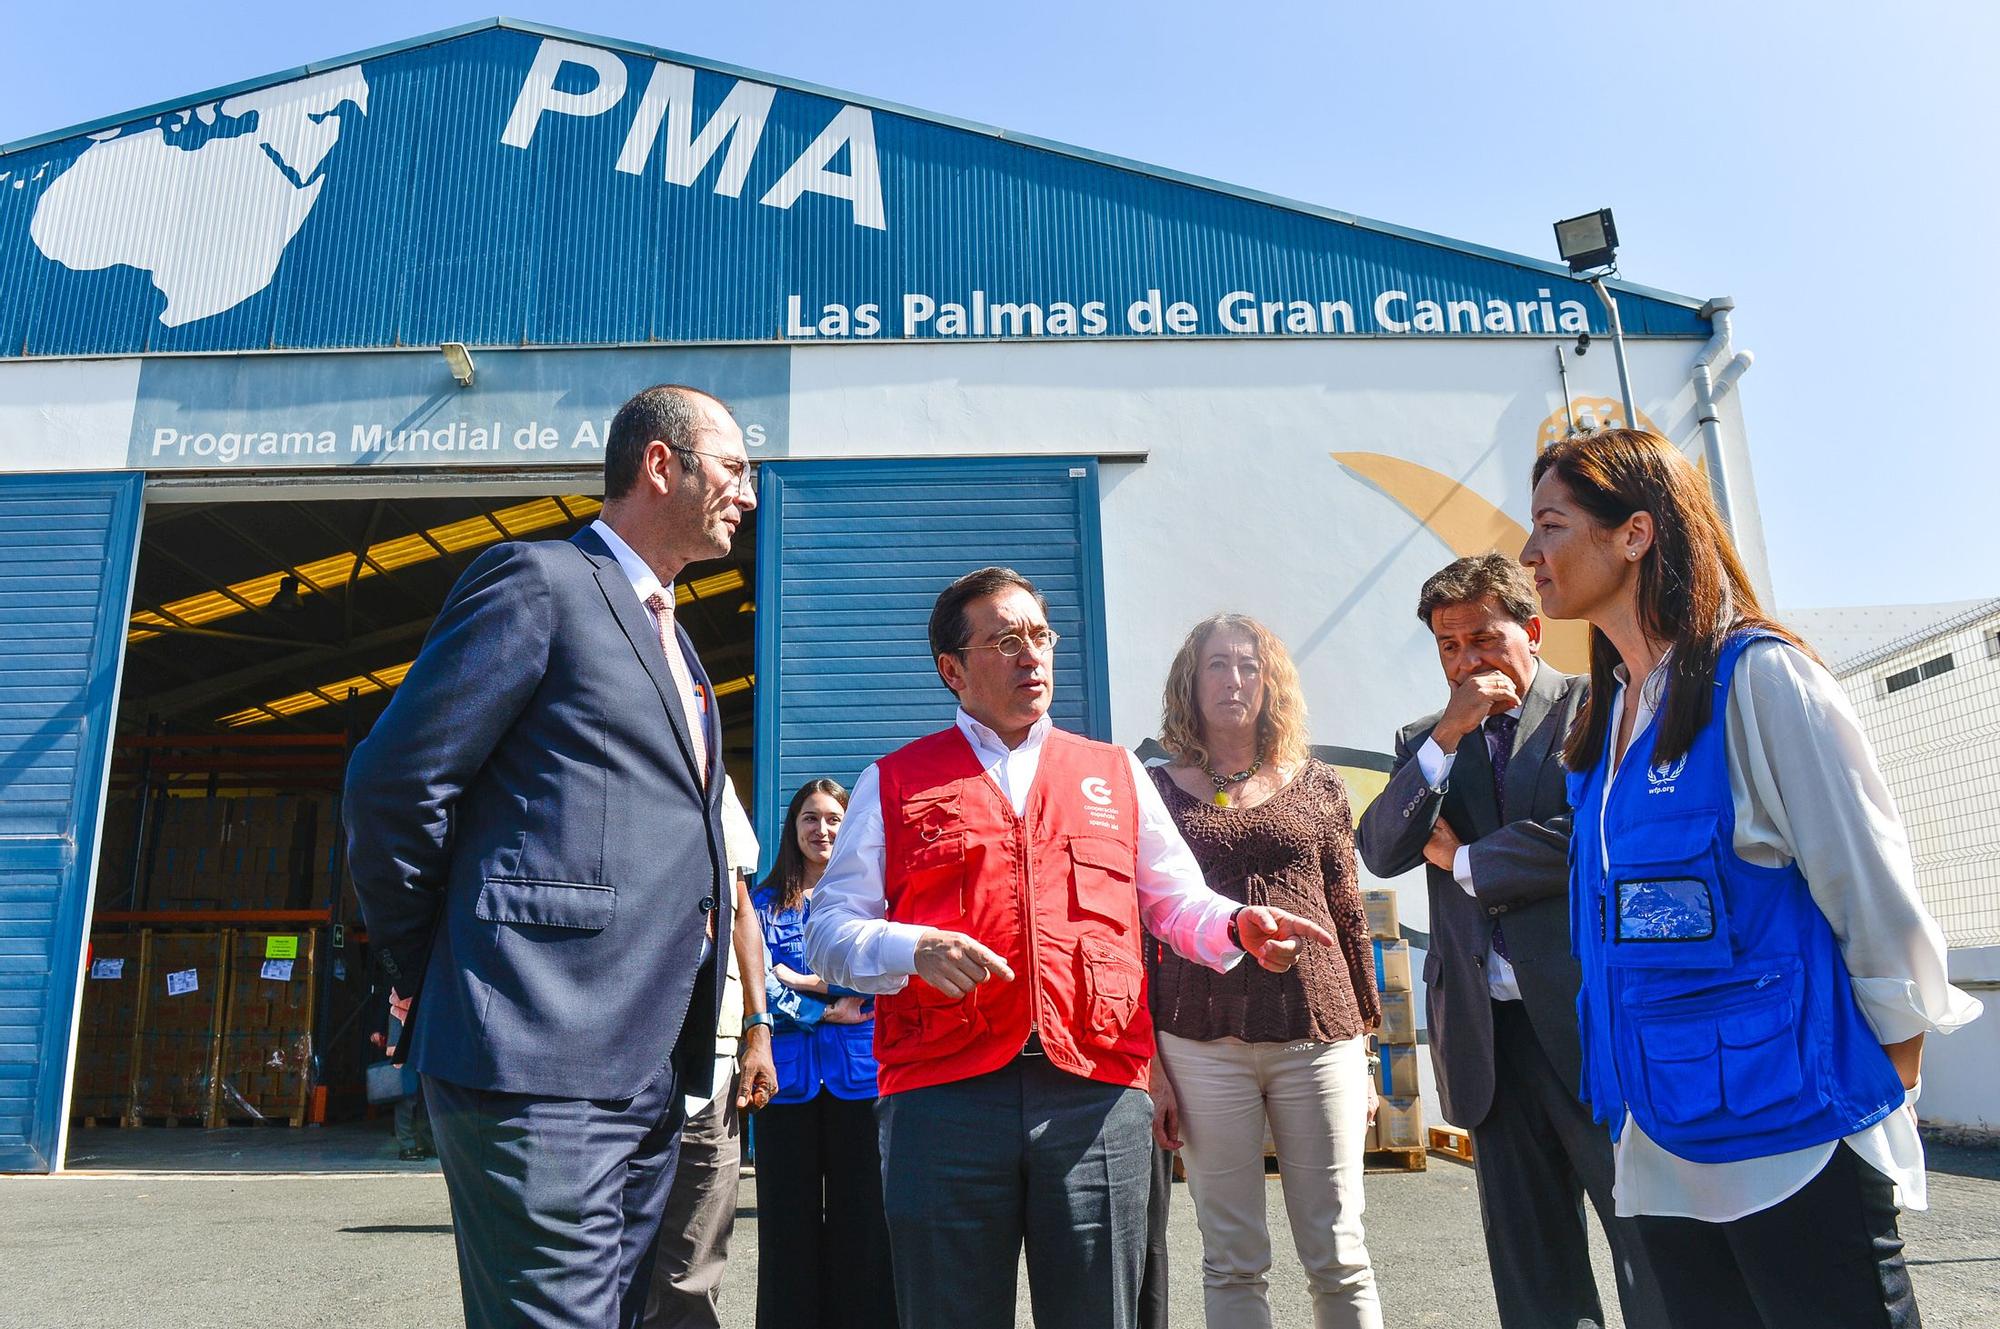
[{"x": 1033, "y": 1047}]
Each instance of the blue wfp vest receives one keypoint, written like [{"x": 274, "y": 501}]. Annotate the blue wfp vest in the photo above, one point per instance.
[
  {"x": 1715, "y": 1003},
  {"x": 838, "y": 1059}
]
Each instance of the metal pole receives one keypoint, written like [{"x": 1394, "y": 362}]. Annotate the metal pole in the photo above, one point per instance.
[
  {"x": 142, "y": 808},
  {"x": 1618, "y": 350},
  {"x": 1562, "y": 372}
]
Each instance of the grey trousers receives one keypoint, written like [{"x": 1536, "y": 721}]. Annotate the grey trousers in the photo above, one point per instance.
[
  {"x": 1027, "y": 1156},
  {"x": 699, "y": 1217},
  {"x": 555, "y": 1202},
  {"x": 1159, "y": 1205}
]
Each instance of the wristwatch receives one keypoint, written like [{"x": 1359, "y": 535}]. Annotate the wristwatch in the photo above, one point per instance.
[
  {"x": 1235, "y": 937},
  {"x": 755, "y": 1018}
]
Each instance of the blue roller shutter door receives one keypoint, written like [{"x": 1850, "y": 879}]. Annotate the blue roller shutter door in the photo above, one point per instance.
[
  {"x": 66, "y": 549},
  {"x": 850, "y": 557}
]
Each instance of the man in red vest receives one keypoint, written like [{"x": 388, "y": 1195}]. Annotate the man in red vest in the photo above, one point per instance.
[{"x": 1010, "y": 866}]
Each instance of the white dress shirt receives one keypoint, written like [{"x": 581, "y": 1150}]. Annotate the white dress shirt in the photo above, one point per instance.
[
  {"x": 1435, "y": 764},
  {"x": 1806, "y": 788},
  {"x": 850, "y": 942},
  {"x": 644, "y": 580},
  {"x": 739, "y": 842}
]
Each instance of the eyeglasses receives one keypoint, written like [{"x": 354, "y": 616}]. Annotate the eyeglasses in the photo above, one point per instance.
[
  {"x": 1041, "y": 641},
  {"x": 742, "y": 474}
]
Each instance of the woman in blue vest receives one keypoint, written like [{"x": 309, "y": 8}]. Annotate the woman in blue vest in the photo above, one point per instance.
[
  {"x": 823, "y": 1245},
  {"x": 1759, "y": 972}
]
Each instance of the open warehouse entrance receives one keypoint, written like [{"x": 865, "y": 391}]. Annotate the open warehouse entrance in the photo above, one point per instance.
[{"x": 228, "y": 981}]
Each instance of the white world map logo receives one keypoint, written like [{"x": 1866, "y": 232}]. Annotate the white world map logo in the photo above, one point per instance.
[{"x": 209, "y": 222}]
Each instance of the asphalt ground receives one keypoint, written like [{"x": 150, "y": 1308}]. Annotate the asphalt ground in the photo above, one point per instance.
[{"x": 374, "y": 1249}]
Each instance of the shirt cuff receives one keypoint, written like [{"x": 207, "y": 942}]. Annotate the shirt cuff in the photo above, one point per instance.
[
  {"x": 896, "y": 951},
  {"x": 1435, "y": 763},
  {"x": 1897, "y": 1011},
  {"x": 1461, "y": 869},
  {"x": 1226, "y": 953}
]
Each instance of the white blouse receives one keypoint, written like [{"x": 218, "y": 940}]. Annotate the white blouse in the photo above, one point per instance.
[{"x": 1807, "y": 789}]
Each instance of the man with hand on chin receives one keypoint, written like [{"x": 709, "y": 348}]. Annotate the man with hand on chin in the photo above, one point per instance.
[
  {"x": 1477, "y": 793},
  {"x": 1011, "y": 867}
]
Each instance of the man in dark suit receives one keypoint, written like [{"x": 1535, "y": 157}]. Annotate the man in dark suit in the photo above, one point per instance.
[
  {"x": 534, "y": 829},
  {"x": 1477, "y": 794}
]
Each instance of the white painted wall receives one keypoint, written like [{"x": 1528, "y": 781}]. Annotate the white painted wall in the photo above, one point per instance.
[
  {"x": 1238, "y": 504},
  {"x": 66, "y": 415},
  {"x": 1962, "y": 1071}
]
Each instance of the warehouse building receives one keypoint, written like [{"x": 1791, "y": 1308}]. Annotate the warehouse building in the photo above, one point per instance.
[
  {"x": 1924, "y": 680},
  {"x": 281, "y": 358}
]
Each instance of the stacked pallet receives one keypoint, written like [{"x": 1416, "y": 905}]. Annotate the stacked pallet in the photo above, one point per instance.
[
  {"x": 1399, "y": 1121},
  {"x": 185, "y": 1028},
  {"x": 251, "y": 852},
  {"x": 246, "y": 851},
  {"x": 267, "y": 1032},
  {"x": 113, "y": 981},
  {"x": 180, "y": 1017}
]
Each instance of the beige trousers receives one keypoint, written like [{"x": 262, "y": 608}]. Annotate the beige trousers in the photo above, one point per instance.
[{"x": 1314, "y": 1099}]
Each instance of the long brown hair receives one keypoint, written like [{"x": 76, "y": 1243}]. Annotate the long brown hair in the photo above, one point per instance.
[
  {"x": 1693, "y": 593},
  {"x": 1281, "y": 724},
  {"x": 788, "y": 871}
]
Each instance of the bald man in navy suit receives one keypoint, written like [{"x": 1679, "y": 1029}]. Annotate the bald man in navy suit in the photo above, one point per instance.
[{"x": 535, "y": 833}]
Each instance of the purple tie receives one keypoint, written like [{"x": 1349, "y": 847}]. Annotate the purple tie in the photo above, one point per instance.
[
  {"x": 663, "y": 619},
  {"x": 1500, "y": 749}
]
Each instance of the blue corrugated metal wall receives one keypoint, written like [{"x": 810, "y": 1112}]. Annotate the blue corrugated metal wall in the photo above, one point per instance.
[
  {"x": 66, "y": 550},
  {"x": 375, "y": 204},
  {"x": 851, "y": 556}
]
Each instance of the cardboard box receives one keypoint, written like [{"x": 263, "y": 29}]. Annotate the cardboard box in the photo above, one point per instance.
[
  {"x": 1396, "y": 1077},
  {"x": 1399, "y": 1018},
  {"x": 1399, "y": 1123},
  {"x": 1380, "y": 903},
  {"x": 1392, "y": 966}
]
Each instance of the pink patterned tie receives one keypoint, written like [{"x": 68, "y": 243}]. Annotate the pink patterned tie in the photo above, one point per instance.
[{"x": 663, "y": 619}]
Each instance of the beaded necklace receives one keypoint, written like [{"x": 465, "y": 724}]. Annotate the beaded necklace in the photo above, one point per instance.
[{"x": 1222, "y": 782}]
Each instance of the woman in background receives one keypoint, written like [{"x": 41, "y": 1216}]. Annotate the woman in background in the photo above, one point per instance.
[
  {"x": 823, "y": 1248},
  {"x": 1758, "y": 970}
]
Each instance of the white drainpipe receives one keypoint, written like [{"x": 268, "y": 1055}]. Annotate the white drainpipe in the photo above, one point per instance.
[{"x": 1709, "y": 389}]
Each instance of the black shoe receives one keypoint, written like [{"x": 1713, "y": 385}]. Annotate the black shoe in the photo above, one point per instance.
[{"x": 412, "y": 1155}]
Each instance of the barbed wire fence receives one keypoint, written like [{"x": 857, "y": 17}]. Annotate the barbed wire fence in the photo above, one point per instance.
[{"x": 1931, "y": 705}]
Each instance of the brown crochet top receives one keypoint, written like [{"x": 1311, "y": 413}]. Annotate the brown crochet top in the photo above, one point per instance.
[{"x": 1294, "y": 851}]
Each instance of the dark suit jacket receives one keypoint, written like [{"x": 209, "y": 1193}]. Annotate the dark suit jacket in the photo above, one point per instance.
[
  {"x": 1521, "y": 871},
  {"x": 532, "y": 848}
]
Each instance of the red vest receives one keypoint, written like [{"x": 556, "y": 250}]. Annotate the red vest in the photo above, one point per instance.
[{"x": 1053, "y": 890}]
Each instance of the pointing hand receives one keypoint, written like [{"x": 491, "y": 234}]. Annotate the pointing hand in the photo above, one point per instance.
[
  {"x": 954, "y": 963},
  {"x": 1273, "y": 937}
]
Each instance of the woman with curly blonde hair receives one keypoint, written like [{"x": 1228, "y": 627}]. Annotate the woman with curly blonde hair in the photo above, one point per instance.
[{"x": 1270, "y": 825}]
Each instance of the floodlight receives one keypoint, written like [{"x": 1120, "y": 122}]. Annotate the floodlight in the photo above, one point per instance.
[
  {"x": 459, "y": 361},
  {"x": 1589, "y": 241}
]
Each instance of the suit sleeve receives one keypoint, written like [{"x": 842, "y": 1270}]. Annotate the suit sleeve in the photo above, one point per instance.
[
  {"x": 1397, "y": 825},
  {"x": 484, "y": 658},
  {"x": 1522, "y": 862}
]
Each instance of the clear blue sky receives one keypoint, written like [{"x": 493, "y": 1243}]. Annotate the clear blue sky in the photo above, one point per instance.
[{"x": 1828, "y": 165}]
